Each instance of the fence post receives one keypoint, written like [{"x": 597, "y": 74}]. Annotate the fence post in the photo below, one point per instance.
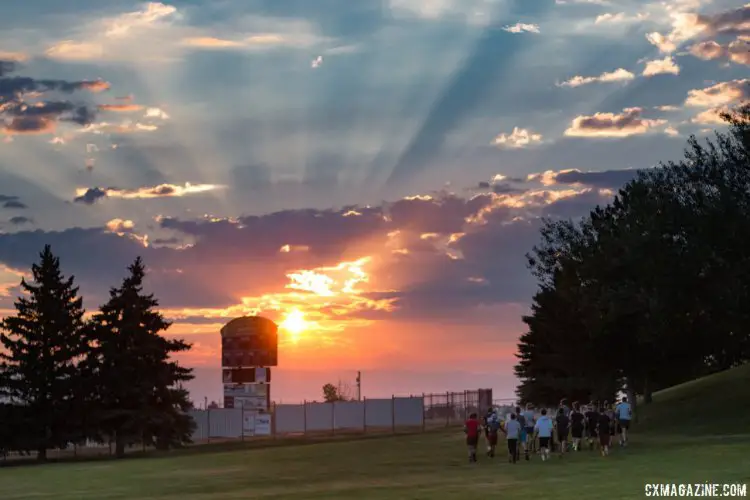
[
  {"x": 393, "y": 413},
  {"x": 466, "y": 404},
  {"x": 273, "y": 419},
  {"x": 208, "y": 425},
  {"x": 242, "y": 422},
  {"x": 448, "y": 409},
  {"x": 333, "y": 418},
  {"x": 423, "y": 415},
  {"x": 304, "y": 417},
  {"x": 364, "y": 415}
]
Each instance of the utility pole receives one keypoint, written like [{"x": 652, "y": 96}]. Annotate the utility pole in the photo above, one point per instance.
[
  {"x": 359, "y": 386},
  {"x": 205, "y": 402}
]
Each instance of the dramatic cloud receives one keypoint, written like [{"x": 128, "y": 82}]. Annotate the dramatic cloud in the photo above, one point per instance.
[
  {"x": 737, "y": 51},
  {"x": 89, "y": 196},
  {"x": 20, "y": 220},
  {"x": 618, "y": 75},
  {"x": 620, "y": 18},
  {"x": 688, "y": 25},
  {"x": 711, "y": 116},
  {"x": 120, "y": 108},
  {"x": 605, "y": 179},
  {"x": 24, "y": 111},
  {"x": 720, "y": 94},
  {"x": 12, "y": 202},
  {"x": 629, "y": 122},
  {"x": 521, "y": 28},
  {"x": 518, "y": 139},
  {"x": 661, "y": 67},
  {"x": 111, "y": 37}
]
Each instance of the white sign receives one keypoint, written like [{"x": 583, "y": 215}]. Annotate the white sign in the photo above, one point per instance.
[
  {"x": 263, "y": 424},
  {"x": 256, "y": 424},
  {"x": 251, "y": 402}
]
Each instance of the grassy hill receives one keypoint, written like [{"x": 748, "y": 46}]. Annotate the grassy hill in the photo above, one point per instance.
[{"x": 718, "y": 404}]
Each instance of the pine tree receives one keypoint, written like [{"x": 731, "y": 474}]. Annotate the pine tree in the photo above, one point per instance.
[
  {"x": 39, "y": 371},
  {"x": 139, "y": 388}
]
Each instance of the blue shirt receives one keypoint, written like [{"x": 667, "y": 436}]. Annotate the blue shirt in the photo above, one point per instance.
[
  {"x": 623, "y": 411},
  {"x": 513, "y": 429},
  {"x": 528, "y": 415},
  {"x": 544, "y": 426}
]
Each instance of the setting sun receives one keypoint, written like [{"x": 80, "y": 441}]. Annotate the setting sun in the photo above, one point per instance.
[{"x": 294, "y": 323}]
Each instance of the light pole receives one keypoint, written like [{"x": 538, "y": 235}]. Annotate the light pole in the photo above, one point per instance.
[{"x": 359, "y": 386}]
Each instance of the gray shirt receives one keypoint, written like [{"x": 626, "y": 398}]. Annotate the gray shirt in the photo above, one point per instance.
[{"x": 513, "y": 429}]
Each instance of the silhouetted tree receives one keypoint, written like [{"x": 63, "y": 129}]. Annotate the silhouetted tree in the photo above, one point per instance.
[
  {"x": 39, "y": 367},
  {"x": 138, "y": 386}
]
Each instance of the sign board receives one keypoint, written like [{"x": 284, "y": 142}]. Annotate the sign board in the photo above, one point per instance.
[
  {"x": 248, "y": 342},
  {"x": 256, "y": 424},
  {"x": 235, "y": 390},
  {"x": 246, "y": 375},
  {"x": 228, "y": 402},
  {"x": 250, "y": 402}
]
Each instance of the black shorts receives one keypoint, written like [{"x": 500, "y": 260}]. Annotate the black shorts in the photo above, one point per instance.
[
  {"x": 529, "y": 432},
  {"x": 576, "y": 432},
  {"x": 604, "y": 439},
  {"x": 562, "y": 434},
  {"x": 544, "y": 442},
  {"x": 472, "y": 440},
  {"x": 513, "y": 446},
  {"x": 492, "y": 438},
  {"x": 624, "y": 424}
]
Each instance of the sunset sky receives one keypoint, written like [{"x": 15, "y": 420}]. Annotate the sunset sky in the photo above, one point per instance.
[{"x": 371, "y": 171}]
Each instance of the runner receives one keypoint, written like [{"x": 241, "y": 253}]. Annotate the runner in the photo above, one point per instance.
[
  {"x": 471, "y": 428},
  {"x": 605, "y": 423},
  {"x": 577, "y": 420},
  {"x": 543, "y": 429},
  {"x": 513, "y": 432},
  {"x": 492, "y": 426},
  {"x": 610, "y": 410},
  {"x": 592, "y": 420},
  {"x": 562, "y": 422},
  {"x": 523, "y": 436},
  {"x": 624, "y": 413},
  {"x": 529, "y": 421}
]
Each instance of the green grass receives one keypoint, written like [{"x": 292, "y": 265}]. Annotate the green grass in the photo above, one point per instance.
[
  {"x": 429, "y": 465},
  {"x": 715, "y": 405}
]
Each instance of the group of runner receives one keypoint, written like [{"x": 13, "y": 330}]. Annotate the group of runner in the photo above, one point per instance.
[{"x": 528, "y": 432}]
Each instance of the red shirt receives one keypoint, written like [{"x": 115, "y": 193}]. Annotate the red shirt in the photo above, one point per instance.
[{"x": 472, "y": 427}]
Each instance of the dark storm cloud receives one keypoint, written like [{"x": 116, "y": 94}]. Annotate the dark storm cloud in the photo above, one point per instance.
[
  {"x": 611, "y": 179},
  {"x": 17, "y": 116},
  {"x": 232, "y": 258},
  {"x": 91, "y": 196},
  {"x": 20, "y": 220},
  {"x": 14, "y": 204}
]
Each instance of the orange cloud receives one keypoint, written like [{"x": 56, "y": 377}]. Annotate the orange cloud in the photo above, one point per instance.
[
  {"x": 629, "y": 122},
  {"x": 123, "y": 108},
  {"x": 720, "y": 94},
  {"x": 618, "y": 75}
]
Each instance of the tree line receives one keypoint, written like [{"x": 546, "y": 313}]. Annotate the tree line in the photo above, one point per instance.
[
  {"x": 651, "y": 290},
  {"x": 66, "y": 378}
]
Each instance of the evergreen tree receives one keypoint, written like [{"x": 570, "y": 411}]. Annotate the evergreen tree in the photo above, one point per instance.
[
  {"x": 39, "y": 368},
  {"x": 139, "y": 393}
]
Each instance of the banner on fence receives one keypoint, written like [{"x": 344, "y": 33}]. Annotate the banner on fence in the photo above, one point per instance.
[{"x": 256, "y": 424}]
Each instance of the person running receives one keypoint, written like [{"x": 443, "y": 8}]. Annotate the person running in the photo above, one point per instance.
[
  {"x": 471, "y": 429},
  {"x": 523, "y": 436},
  {"x": 623, "y": 413},
  {"x": 592, "y": 422},
  {"x": 543, "y": 429},
  {"x": 529, "y": 421},
  {"x": 562, "y": 423},
  {"x": 610, "y": 411},
  {"x": 577, "y": 420},
  {"x": 513, "y": 433},
  {"x": 491, "y": 428},
  {"x": 605, "y": 423}
]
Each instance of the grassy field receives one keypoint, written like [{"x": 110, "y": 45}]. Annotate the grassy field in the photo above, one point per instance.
[{"x": 431, "y": 465}]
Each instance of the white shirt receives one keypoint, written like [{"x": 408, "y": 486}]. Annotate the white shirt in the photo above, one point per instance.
[
  {"x": 544, "y": 426},
  {"x": 623, "y": 411}
]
